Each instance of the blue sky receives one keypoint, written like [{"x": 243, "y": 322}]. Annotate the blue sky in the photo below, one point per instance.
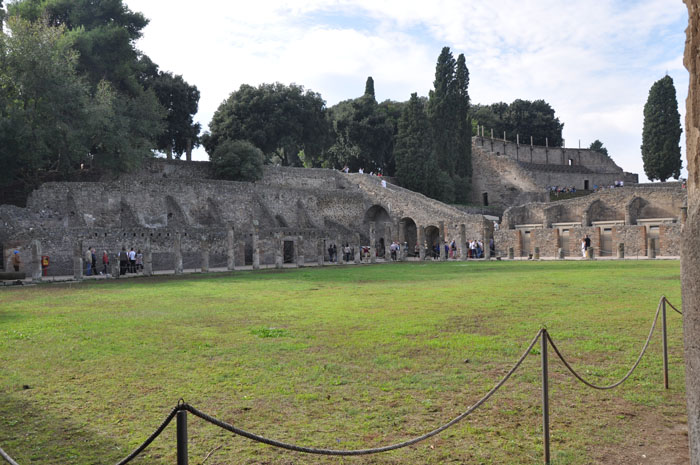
[{"x": 592, "y": 60}]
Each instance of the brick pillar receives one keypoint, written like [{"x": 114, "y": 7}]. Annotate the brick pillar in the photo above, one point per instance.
[
  {"x": 148, "y": 258},
  {"x": 204, "y": 246},
  {"x": 358, "y": 249},
  {"x": 78, "y": 261},
  {"x": 441, "y": 241},
  {"x": 279, "y": 250},
  {"x": 519, "y": 242},
  {"x": 463, "y": 242},
  {"x": 643, "y": 245},
  {"x": 372, "y": 247},
  {"x": 387, "y": 241},
  {"x": 421, "y": 242},
  {"x": 599, "y": 240},
  {"x": 256, "y": 245},
  {"x": 177, "y": 252},
  {"x": 230, "y": 249},
  {"x": 402, "y": 239},
  {"x": 301, "y": 259},
  {"x": 321, "y": 250},
  {"x": 36, "y": 261}
]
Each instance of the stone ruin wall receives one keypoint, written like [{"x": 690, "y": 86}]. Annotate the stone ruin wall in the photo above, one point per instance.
[
  {"x": 164, "y": 198},
  {"x": 630, "y": 212},
  {"x": 512, "y": 174}
]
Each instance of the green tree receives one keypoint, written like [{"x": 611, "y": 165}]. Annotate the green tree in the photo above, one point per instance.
[
  {"x": 280, "y": 120},
  {"x": 416, "y": 165},
  {"x": 442, "y": 111},
  {"x": 598, "y": 147},
  {"x": 237, "y": 160},
  {"x": 522, "y": 117},
  {"x": 463, "y": 171},
  {"x": 662, "y": 132},
  {"x": 369, "y": 88},
  {"x": 363, "y": 134},
  {"x": 46, "y": 110}
]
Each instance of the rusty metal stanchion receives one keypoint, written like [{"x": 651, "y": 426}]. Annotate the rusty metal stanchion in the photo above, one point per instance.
[
  {"x": 664, "y": 339},
  {"x": 545, "y": 396},
  {"x": 182, "y": 437}
]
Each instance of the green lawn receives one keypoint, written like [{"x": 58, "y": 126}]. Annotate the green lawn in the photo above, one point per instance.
[{"x": 341, "y": 357}]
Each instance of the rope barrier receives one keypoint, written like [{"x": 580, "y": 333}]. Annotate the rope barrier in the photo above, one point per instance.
[
  {"x": 629, "y": 373},
  {"x": 182, "y": 406},
  {"x": 7, "y": 458},
  {"x": 152, "y": 437},
  {"x": 336, "y": 452},
  {"x": 672, "y": 306}
]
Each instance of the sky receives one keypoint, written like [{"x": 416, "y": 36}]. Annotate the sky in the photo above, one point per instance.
[{"x": 594, "y": 61}]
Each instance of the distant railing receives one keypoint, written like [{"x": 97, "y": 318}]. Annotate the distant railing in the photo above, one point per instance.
[{"x": 181, "y": 409}]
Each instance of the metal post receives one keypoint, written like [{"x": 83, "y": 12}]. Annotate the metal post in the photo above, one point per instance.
[
  {"x": 545, "y": 396},
  {"x": 665, "y": 342},
  {"x": 182, "y": 437}
]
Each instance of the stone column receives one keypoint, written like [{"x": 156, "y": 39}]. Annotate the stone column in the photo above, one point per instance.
[
  {"x": 256, "y": 245},
  {"x": 421, "y": 242},
  {"x": 78, "y": 261},
  {"x": 204, "y": 246},
  {"x": 441, "y": 241},
  {"x": 301, "y": 260},
  {"x": 358, "y": 248},
  {"x": 487, "y": 251},
  {"x": 321, "y": 250},
  {"x": 148, "y": 258},
  {"x": 177, "y": 250},
  {"x": 463, "y": 242},
  {"x": 511, "y": 253},
  {"x": 402, "y": 232},
  {"x": 36, "y": 261},
  {"x": 372, "y": 238},
  {"x": 651, "y": 251},
  {"x": 387, "y": 241},
  {"x": 341, "y": 252},
  {"x": 279, "y": 250},
  {"x": 230, "y": 249},
  {"x": 621, "y": 250}
]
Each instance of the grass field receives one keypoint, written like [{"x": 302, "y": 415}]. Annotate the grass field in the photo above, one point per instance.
[{"x": 340, "y": 357}]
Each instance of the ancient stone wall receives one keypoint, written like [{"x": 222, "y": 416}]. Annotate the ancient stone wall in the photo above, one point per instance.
[
  {"x": 690, "y": 257},
  {"x": 297, "y": 206}
]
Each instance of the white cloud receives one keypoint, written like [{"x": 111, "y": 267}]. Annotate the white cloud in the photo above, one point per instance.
[{"x": 593, "y": 60}]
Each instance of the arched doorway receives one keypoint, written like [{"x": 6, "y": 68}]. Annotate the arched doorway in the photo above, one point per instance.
[
  {"x": 410, "y": 234},
  {"x": 380, "y": 216},
  {"x": 432, "y": 239}
]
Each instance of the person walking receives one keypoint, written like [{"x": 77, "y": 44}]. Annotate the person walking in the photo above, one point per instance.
[
  {"x": 93, "y": 259},
  {"x": 123, "y": 261},
  {"x": 132, "y": 261},
  {"x": 16, "y": 261},
  {"x": 105, "y": 262},
  {"x": 88, "y": 261}
]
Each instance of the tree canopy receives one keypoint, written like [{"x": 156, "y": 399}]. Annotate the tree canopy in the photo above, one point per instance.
[
  {"x": 661, "y": 152},
  {"x": 237, "y": 160},
  {"x": 598, "y": 147},
  {"x": 280, "y": 120},
  {"x": 521, "y": 117}
]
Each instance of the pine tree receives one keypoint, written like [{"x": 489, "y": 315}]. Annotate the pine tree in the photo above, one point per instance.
[{"x": 662, "y": 132}]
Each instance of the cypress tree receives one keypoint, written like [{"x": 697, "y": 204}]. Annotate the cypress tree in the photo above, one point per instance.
[
  {"x": 464, "y": 132},
  {"x": 442, "y": 109},
  {"x": 369, "y": 87},
  {"x": 661, "y": 135},
  {"x": 416, "y": 167}
]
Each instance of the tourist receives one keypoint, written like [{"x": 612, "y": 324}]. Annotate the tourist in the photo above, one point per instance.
[
  {"x": 132, "y": 261},
  {"x": 472, "y": 249},
  {"x": 583, "y": 248},
  {"x": 492, "y": 246},
  {"x": 123, "y": 261},
  {"x": 330, "y": 253},
  {"x": 139, "y": 260},
  {"x": 416, "y": 250},
  {"x": 93, "y": 259},
  {"x": 88, "y": 261},
  {"x": 16, "y": 261},
  {"x": 346, "y": 252},
  {"x": 105, "y": 262},
  {"x": 361, "y": 171},
  {"x": 479, "y": 249}
]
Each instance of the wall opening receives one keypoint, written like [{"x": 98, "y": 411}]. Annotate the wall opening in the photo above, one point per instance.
[
  {"x": 585, "y": 184},
  {"x": 564, "y": 242},
  {"x": 571, "y": 162},
  {"x": 485, "y": 196},
  {"x": 525, "y": 251},
  {"x": 288, "y": 252},
  {"x": 606, "y": 243}
]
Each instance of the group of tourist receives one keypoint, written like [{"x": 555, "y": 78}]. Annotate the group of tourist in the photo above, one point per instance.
[
  {"x": 129, "y": 262},
  {"x": 91, "y": 262},
  {"x": 585, "y": 245},
  {"x": 556, "y": 190}
]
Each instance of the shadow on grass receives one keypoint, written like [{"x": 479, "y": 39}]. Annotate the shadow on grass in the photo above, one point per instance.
[{"x": 46, "y": 436}]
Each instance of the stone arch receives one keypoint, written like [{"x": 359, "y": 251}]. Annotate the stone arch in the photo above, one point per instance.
[
  {"x": 380, "y": 216},
  {"x": 633, "y": 210},
  {"x": 600, "y": 211},
  {"x": 559, "y": 214},
  {"x": 127, "y": 217},
  {"x": 432, "y": 238},
  {"x": 410, "y": 231},
  {"x": 175, "y": 214}
]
